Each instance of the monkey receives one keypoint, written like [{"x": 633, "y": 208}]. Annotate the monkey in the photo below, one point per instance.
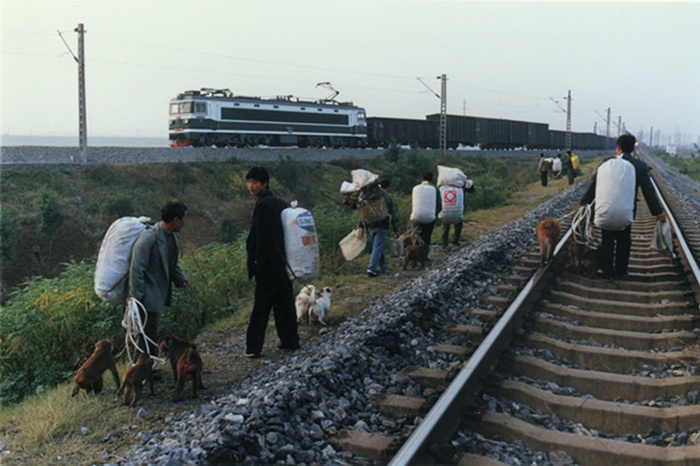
[
  {"x": 135, "y": 378},
  {"x": 89, "y": 376},
  {"x": 548, "y": 231},
  {"x": 189, "y": 367},
  {"x": 174, "y": 347},
  {"x": 582, "y": 259},
  {"x": 415, "y": 254}
]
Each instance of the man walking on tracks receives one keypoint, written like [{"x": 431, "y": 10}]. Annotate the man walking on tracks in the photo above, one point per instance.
[{"x": 614, "y": 188}]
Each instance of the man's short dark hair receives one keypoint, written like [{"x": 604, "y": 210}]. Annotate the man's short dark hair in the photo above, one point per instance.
[
  {"x": 626, "y": 142},
  {"x": 258, "y": 174},
  {"x": 428, "y": 176},
  {"x": 173, "y": 210},
  {"x": 385, "y": 184}
]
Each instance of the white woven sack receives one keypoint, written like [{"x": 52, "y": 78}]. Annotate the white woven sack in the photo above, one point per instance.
[
  {"x": 452, "y": 205},
  {"x": 361, "y": 178},
  {"x": 451, "y": 177},
  {"x": 115, "y": 256},
  {"x": 662, "y": 239},
  {"x": 353, "y": 244},
  {"x": 614, "y": 194},
  {"x": 347, "y": 188},
  {"x": 423, "y": 199},
  {"x": 300, "y": 244},
  {"x": 556, "y": 164}
]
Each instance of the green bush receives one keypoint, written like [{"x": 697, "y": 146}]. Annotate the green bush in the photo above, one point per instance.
[
  {"x": 49, "y": 212},
  {"x": 46, "y": 326},
  {"x": 8, "y": 229}
]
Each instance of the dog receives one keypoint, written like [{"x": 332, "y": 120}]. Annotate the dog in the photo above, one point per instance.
[
  {"x": 416, "y": 254},
  {"x": 189, "y": 367},
  {"x": 323, "y": 304},
  {"x": 175, "y": 347},
  {"x": 582, "y": 259},
  {"x": 305, "y": 303},
  {"x": 135, "y": 378},
  {"x": 548, "y": 231},
  {"x": 89, "y": 376}
]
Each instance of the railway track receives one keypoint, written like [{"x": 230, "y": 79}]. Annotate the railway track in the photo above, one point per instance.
[{"x": 580, "y": 369}]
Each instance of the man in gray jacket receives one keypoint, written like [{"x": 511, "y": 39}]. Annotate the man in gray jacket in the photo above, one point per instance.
[{"x": 154, "y": 267}]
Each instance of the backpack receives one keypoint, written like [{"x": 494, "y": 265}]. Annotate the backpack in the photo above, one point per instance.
[
  {"x": 615, "y": 191},
  {"x": 300, "y": 244},
  {"x": 371, "y": 205},
  {"x": 114, "y": 258}
]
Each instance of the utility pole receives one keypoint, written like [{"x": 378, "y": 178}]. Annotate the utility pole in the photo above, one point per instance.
[
  {"x": 81, "y": 89},
  {"x": 443, "y": 110},
  {"x": 607, "y": 131},
  {"x": 443, "y": 114},
  {"x": 568, "y": 121},
  {"x": 651, "y": 137},
  {"x": 619, "y": 125}
]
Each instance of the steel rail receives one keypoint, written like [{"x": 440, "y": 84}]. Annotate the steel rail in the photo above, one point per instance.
[
  {"x": 687, "y": 253},
  {"x": 444, "y": 417}
]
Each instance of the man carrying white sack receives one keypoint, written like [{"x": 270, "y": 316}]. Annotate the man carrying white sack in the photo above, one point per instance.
[{"x": 614, "y": 188}]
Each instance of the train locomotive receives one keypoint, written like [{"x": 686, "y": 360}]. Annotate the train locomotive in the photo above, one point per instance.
[{"x": 215, "y": 117}]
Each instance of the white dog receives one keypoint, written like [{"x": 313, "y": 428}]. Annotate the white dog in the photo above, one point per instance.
[
  {"x": 323, "y": 304},
  {"x": 305, "y": 302}
]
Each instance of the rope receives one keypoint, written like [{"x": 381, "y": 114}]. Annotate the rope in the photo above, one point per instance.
[
  {"x": 582, "y": 227},
  {"x": 135, "y": 327}
]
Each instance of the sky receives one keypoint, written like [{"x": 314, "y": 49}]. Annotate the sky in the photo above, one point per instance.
[{"x": 511, "y": 60}]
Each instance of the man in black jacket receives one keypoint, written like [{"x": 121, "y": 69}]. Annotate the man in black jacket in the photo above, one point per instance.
[
  {"x": 614, "y": 251},
  {"x": 267, "y": 263}
]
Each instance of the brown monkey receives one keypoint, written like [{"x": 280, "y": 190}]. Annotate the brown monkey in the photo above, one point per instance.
[
  {"x": 135, "y": 378},
  {"x": 582, "y": 259},
  {"x": 415, "y": 254},
  {"x": 189, "y": 367},
  {"x": 548, "y": 231},
  {"x": 89, "y": 376},
  {"x": 174, "y": 347}
]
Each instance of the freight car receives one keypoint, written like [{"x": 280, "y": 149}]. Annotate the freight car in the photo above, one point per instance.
[
  {"x": 384, "y": 131},
  {"x": 493, "y": 133},
  {"x": 215, "y": 117},
  {"x": 484, "y": 133}
]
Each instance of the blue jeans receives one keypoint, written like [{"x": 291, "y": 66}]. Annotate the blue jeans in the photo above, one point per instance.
[{"x": 377, "y": 263}]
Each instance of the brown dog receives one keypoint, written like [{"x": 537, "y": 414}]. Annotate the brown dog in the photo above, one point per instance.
[
  {"x": 582, "y": 259},
  {"x": 416, "y": 254},
  {"x": 189, "y": 367},
  {"x": 548, "y": 231},
  {"x": 135, "y": 378},
  {"x": 89, "y": 376}
]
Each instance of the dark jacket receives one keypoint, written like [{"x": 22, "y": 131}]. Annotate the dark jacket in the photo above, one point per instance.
[
  {"x": 642, "y": 179},
  {"x": 265, "y": 244},
  {"x": 150, "y": 275}
]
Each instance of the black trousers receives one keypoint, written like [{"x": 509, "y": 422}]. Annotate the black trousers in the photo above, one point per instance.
[
  {"x": 425, "y": 231},
  {"x": 151, "y": 330},
  {"x": 614, "y": 251},
  {"x": 272, "y": 293},
  {"x": 543, "y": 178}
]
